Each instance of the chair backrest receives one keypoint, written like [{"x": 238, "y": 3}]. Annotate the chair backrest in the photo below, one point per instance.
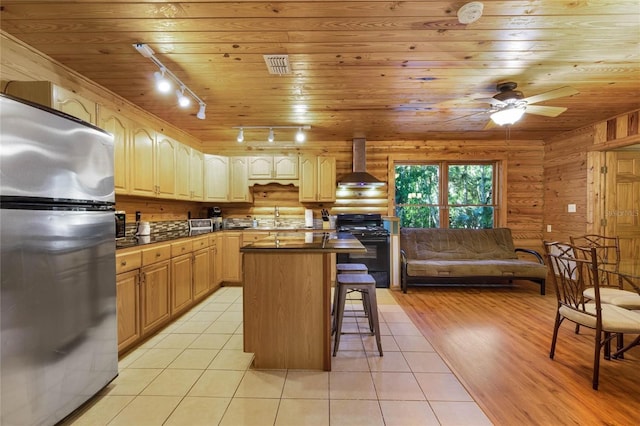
[
  {"x": 574, "y": 268},
  {"x": 608, "y": 255}
]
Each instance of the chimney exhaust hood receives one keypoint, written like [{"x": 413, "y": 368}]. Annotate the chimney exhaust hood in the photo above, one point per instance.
[{"x": 359, "y": 178}]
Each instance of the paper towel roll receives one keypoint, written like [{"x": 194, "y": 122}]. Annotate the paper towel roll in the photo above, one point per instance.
[{"x": 308, "y": 218}]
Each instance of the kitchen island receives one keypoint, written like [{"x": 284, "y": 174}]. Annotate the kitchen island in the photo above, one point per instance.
[{"x": 287, "y": 298}]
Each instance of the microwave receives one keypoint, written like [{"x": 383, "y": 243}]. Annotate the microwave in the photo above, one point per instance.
[{"x": 121, "y": 224}]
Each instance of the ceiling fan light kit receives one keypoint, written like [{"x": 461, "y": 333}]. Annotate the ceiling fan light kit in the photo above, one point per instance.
[
  {"x": 508, "y": 115},
  {"x": 163, "y": 79},
  {"x": 470, "y": 12}
]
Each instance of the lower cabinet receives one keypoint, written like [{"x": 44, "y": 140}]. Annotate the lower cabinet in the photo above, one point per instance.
[
  {"x": 128, "y": 300},
  {"x": 181, "y": 291},
  {"x": 231, "y": 259},
  {"x": 154, "y": 296},
  {"x": 201, "y": 273}
]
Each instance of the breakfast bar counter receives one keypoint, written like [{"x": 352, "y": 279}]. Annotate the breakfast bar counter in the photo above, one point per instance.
[{"x": 287, "y": 298}]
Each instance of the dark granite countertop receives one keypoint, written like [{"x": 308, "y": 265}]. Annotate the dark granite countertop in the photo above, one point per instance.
[
  {"x": 161, "y": 237},
  {"x": 331, "y": 242}
]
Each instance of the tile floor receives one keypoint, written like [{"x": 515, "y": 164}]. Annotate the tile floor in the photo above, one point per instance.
[{"x": 195, "y": 373}]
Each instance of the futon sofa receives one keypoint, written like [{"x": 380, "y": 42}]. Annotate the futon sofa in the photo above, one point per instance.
[{"x": 460, "y": 256}]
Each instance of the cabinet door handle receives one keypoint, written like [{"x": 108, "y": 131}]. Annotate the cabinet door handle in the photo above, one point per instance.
[
  {"x": 157, "y": 254},
  {"x": 123, "y": 263}
]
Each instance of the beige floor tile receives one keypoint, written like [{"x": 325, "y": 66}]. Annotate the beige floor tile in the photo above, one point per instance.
[
  {"x": 194, "y": 359},
  {"x": 217, "y": 383},
  {"x": 223, "y": 327},
  {"x": 426, "y": 362},
  {"x": 350, "y": 361},
  {"x": 388, "y": 344},
  {"x": 100, "y": 411},
  {"x": 215, "y": 307},
  {"x": 403, "y": 329},
  {"x": 146, "y": 411},
  {"x": 210, "y": 341},
  {"x": 395, "y": 317},
  {"x": 389, "y": 362},
  {"x": 192, "y": 327},
  {"x": 442, "y": 387},
  {"x": 355, "y": 413},
  {"x": 172, "y": 382},
  {"x": 251, "y": 412},
  {"x": 230, "y": 316},
  {"x": 349, "y": 342},
  {"x": 262, "y": 384},
  {"x": 397, "y": 386},
  {"x": 156, "y": 358},
  {"x": 413, "y": 344},
  {"x": 306, "y": 385},
  {"x": 235, "y": 342},
  {"x": 389, "y": 308},
  {"x": 125, "y": 361},
  {"x": 131, "y": 381},
  {"x": 459, "y": 414},
  {"x": 235, "y": 307},
  {"x": 209, "y": 316},
  {"x": 152, "y": 341},
  {"x": 198, "y": 411},
  {"x": 231, "y": 360},
  {"x": 408, "y": 413},
  {"x": 348, "y": 385},
  {"x": 177, "y": 341},
  {"x": 308, "y": 412},
  {"x": 384, "y": 329}
]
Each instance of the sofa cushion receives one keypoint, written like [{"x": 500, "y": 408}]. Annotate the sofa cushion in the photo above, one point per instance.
[
  {"x": 507, "y": 268},
  {"x": 454, "y": 244}
]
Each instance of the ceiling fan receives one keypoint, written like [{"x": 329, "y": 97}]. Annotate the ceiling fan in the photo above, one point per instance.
[{"x": 510, "y": 105}]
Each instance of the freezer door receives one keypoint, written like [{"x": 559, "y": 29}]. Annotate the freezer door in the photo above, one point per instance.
[
  {"x": 58, "y": 312},
  {"x": 48, "y": 155}
]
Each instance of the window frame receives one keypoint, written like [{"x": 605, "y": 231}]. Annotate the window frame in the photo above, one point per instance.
[{"x": 498, "y": 194}]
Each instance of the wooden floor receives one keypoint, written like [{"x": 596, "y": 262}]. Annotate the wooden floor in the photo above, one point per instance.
[{"x": 496, "y": 340}]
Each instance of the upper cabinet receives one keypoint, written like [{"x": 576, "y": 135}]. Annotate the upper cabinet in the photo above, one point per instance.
[
  {"x": 239, "y": 180},
  {"x": 120, "y": 127},
  {"x": 142, "y": 161},
  {"x": 196, "y": 175},
  {"x": 183, "y": 164},
  {"x": 273, "y": 168},
  {"x": 48, "y": 94},
  {"x": 165, "y": 170},
  {"x": 216, "y": 178},
  {"x": 317, "y": 178}
]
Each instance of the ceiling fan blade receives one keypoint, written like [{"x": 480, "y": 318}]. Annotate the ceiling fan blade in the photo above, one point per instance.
[
  {"x": 490, "y": 125},
  {"x": 547, "y": 111},
  {"x": 491, "y": 101},
  {"x": 551, "y": 94}
]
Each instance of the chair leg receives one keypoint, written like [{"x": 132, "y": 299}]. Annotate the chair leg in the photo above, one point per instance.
[
  {"x": 342, "y": 295},
  {"x": 556, "y": 327},
  {"x": 596, "y": 359},
  {"x": 373, "y": 303}
]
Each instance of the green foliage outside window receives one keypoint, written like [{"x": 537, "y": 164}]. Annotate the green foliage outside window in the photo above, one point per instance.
[{"x": 468, "y": 202}]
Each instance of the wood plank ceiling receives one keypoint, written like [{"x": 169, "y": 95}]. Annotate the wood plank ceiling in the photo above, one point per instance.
[{"x": 383, "y": 70}]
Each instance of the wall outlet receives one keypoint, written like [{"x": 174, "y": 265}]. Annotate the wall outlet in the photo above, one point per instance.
[
  {"x": 548, "y": 228},
  {"x": 571, "y": 208}
]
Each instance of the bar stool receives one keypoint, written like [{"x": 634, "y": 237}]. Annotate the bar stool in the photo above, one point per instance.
[
  {"x": 366, "y": 284},
  {"x": 346, "y": 268}
]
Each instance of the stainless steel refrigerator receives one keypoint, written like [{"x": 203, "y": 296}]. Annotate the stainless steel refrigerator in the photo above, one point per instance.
[{"x": 57, "y": 265}]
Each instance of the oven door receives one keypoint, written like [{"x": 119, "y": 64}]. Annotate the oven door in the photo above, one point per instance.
[{"x": 376, "y": 258}]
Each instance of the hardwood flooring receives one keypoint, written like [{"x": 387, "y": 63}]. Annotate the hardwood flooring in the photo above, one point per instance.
[{"x": 497, "y": 340}]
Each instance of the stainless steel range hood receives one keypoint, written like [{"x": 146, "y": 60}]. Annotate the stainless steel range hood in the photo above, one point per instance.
[{"x": 359, "y": 178}]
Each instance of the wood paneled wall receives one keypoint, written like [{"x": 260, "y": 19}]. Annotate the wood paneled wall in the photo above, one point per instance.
[{"x": 572, "y": 174}]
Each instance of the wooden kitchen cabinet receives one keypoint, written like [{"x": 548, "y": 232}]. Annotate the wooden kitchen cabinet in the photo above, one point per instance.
[
  {"x": 215, "y": 261},
  {"x": 120, "y": 127},
  {"x": 196, "y": 175},
  {"x": 273, "y": 168},
  {"x": 143, "y": 162},
  {"x": 183, "y": 164},
  {"x": 239, "y": 190},
  {"x": 155, "y": 297},
  {"x": 216, "y": 178},
  {"x": 317, "y": 179},
  {"x": 231, "y": 260},
  {"x": 181, "y": 287},
  {"x": 201, "y": 271},
  {"x": 165, "y": 170},
  {"x": 56, "y": 97},
  {"x": 128, "y": 308}
]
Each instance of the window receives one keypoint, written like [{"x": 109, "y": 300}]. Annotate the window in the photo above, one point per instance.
[{"x": 446, "y": 195}]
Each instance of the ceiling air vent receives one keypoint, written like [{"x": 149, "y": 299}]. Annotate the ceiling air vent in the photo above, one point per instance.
[{"x": 277, "y": 64}]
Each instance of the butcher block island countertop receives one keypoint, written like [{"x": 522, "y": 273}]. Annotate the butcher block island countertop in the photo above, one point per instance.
[{"x": 287, "y": 298}]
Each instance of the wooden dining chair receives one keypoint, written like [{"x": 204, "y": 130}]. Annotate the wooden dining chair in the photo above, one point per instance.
[{"x": 574, "y": 269}]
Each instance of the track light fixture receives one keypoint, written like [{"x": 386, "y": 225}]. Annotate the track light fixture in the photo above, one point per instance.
[
  {"x": 299, "y": 137},
  {"x": 164, "y": 79}
]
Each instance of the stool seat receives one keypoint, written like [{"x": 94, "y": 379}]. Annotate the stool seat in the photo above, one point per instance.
[
  {"x": 366, "y": 284},
  {"x": 351, "y": 268}
]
